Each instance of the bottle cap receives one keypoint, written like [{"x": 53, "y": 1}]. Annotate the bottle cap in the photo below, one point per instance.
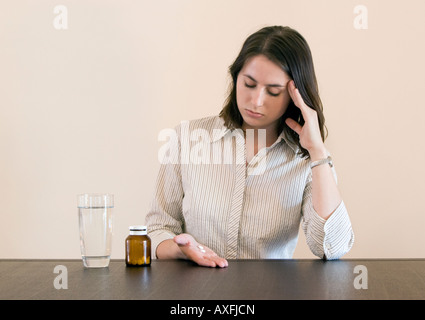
[{"x": 138, "y": 230}]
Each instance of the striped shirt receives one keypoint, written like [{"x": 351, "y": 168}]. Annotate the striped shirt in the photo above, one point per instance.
[{"x": 240, "y": 210}]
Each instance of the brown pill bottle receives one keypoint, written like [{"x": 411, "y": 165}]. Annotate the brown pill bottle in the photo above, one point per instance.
[{"x": 138, "y": 247}]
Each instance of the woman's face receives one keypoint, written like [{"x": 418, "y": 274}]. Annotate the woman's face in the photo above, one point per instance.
[{"x": 261, "y": 93}]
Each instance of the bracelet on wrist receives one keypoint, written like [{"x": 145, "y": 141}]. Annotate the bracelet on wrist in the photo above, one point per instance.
[{"x": 327, "y": 160}]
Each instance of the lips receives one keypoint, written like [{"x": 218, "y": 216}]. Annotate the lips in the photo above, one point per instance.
[{"x": 253, "y": 114}]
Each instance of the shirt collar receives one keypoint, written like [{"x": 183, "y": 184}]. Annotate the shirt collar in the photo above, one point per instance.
[
  {"x": 289, "y": 142},
  {"x": 219, "y": 134},
  {"x": 219, "y": 131}
]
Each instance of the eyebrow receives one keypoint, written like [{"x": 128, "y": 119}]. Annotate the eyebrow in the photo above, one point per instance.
[{"x": 268, "y": 85}]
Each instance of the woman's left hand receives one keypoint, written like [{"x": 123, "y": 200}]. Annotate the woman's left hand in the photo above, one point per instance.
[{"x": 309, "y": 133}]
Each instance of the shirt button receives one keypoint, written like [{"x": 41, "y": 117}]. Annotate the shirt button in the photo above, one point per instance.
[{"x": 328, "y": 245}]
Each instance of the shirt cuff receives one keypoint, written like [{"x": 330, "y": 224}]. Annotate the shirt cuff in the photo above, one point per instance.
[
  {"x": 157, "y": 237},
  {"x": 339, "y": 236},
  {"x": 331, "y": 238}
]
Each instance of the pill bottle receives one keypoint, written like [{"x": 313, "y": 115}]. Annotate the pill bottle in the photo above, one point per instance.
[{"x": 138, "y": 247}]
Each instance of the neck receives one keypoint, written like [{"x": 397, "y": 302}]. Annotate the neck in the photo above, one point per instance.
[
  {"x": 257, "y": 139},
  {"x": 261, "y": 137}
]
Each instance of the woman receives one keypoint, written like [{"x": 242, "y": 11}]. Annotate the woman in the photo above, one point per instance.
[{"x": 213, "y": 210}]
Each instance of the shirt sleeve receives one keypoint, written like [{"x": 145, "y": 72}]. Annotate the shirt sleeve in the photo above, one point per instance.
[
  {"x": 165, "y": 219},
  {"x": 328, "y": 239}
]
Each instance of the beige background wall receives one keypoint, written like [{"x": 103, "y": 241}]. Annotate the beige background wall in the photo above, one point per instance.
[{"x": 81, "y": 109}]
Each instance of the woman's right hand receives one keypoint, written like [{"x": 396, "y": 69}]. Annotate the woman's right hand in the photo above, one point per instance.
[{"x": 197, "y": 252}]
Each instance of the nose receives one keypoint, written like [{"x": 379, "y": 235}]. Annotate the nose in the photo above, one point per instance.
[{"x": 258, "y": 97}]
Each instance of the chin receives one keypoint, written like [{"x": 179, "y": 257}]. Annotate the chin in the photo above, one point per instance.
[{"x": 254, "y": 123}]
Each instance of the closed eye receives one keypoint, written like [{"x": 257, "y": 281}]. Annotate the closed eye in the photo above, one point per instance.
[
  {"x": 269, "y": 86},
  {"x": 273, "y": 94}
]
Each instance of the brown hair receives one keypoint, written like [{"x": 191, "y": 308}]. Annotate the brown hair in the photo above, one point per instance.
[{"x": 289, "y": 50}]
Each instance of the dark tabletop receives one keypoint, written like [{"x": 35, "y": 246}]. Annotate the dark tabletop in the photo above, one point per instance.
[{"x": 242, "y": 280}]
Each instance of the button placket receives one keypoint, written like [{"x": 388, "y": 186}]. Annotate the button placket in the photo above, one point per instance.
[{"x": 237, "y": 201}]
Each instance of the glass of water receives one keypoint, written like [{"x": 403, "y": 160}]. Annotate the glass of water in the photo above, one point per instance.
[{"x": 95, "y": 217}]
